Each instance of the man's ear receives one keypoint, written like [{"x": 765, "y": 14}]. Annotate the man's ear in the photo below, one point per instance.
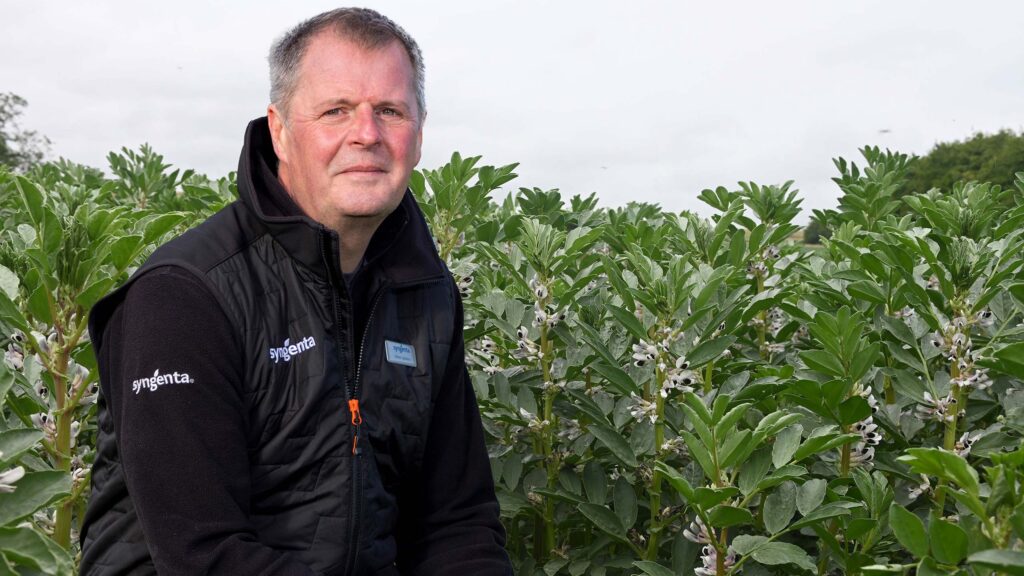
[
  {"x": 419, "y": 140},
  {"x": 278, "y": 132}
]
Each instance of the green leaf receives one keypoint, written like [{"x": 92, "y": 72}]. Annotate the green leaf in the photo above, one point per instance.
[
  {"x": 863, "y": 361},
  {"x": 616, "y": 377},
  {"x": 28, "y": 548},
  {"x": 587, "y": 405},
  {"x": 512, "y": 470},
  {"x": 735, "y": 448},
  {"x": 707, "y": 497},
  {"x": 15, "y": 442},
  {"x": 779, "y": 507},
  {"x": 94, "y": 292},
  {"x": 615, "y": 442},
  {"x": 595, "y": 481},
  {"x": 909, "y": 530},
  {"x": 624, "y": 499},
  {"x": 6, "y": 381},
  {"x": 559, "y": 494},
  {"x": 695, "y": 402},
  {"x": 39, "y": 305},
  {"x": 1010, "y": 360},
  {"x": 709, "y": 350},
  {"x": 786, "y": 444},
  {"x": 772, "y": 424},
  {"x": 9, "y": 282},
  {"x": 605, "y": 520},
  {"x": 900, "y": 330},
  {"x": 124, "y": 250},
  {"x": 810, "y": 495},
  {"x": 776, "y": 553},
  {"x": 614, "y": 274},
  {"x": 942, "y": 464},
  {"x": 554, "y": 565},
  {"x": 866, "y": 290},
  {"x": 852, "y": 410},
  {"x": 32, "y": 492},
  {"x": 725, "y": 516},
  {"x": 676, "y": 480},
  {"x": 11, "y": 315},
  {"x": 1005, "y": 561},
  {"x": 949, "y": 541},
  {"x": 830, "y": 510},
  {"x": 789, "y": 472},
  {"x": 160, "y": 225},
  {"x": 823, "y": 362},
  {"x": 753, "y": 471},
  {"x": 700, "y": 454},
  {"x": 728, "y": 422},
  {"x": 53, "y": 231},
  {"x": 699, "y": 426},
  {"x": 744, "y": 544},
  {"x": 629, "y": 321},
  {"x": 31, "y": 199},
  {"x": 653, "y": 568},
  {"x": 815, "y": 445}
]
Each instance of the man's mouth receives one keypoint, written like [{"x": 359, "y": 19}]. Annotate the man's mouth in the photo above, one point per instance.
[{"x": 363, "y": 169}]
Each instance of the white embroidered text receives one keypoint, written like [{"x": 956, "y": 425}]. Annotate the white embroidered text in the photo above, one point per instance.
[
  {"x": 158, "y": 379},
  {"x": 288, "y": 350}
]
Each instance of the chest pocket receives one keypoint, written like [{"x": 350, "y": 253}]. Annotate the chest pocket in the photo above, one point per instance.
[{"x": 409, "y": 327}]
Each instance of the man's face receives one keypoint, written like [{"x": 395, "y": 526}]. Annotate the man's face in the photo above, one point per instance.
[{"x": 352, "y": 133}]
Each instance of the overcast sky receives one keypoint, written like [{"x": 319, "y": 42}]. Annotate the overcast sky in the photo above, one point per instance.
[{"x": 654, "y": 102}]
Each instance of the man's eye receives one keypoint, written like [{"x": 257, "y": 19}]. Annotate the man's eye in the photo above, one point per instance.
[
  {"x": 390, "y": 112},
  {"x": 334, "y": 112}
]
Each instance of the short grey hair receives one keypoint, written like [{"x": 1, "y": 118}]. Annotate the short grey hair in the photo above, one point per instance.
[{"x": 367, "y": 28}]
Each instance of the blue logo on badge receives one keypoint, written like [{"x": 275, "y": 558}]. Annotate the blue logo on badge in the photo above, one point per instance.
[{"x": 399, "y": 353}]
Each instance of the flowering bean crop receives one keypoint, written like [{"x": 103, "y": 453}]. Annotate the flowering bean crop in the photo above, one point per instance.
[{"x": 662, "y": 393}]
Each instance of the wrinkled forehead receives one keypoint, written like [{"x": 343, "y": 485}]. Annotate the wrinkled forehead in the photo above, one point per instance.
[{"x": 333, "y": 63}]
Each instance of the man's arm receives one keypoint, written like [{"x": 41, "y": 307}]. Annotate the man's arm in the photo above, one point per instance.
[
  {"x": 180, "y": 422},
  {"x": 449, "y": 517}
]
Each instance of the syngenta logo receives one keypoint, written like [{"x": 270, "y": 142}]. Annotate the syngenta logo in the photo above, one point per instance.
[
  {"x": 287, "y": 350},
  {"x": 157, "y": 380}
]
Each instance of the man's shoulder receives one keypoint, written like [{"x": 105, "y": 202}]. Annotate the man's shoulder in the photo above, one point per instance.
[
  {"x": 212, "y": 241},
  {"x": 184, "y": 261}
]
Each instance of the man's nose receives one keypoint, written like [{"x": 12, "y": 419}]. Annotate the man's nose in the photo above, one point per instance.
[{"x": 365, "y": 130}]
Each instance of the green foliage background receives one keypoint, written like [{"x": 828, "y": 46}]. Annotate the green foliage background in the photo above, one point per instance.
[
  {"x": 993, "y": 158},
  {"x": 663, "y": 393}
]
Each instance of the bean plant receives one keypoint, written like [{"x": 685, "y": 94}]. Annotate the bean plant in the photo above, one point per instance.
[{"x": 662, "y": 393}]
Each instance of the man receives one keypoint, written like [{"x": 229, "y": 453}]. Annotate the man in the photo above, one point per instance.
[{"x": 284, "y": 387}]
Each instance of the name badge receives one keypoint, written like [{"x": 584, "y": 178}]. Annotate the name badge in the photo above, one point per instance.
[{"x": 399, "y": 353}]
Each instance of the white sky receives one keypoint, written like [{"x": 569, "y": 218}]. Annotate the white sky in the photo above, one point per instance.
[{"x": 653, "y": 102}]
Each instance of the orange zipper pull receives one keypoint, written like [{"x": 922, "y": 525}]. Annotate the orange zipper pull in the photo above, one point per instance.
[
  {"x": 357, "y": 419},
  {"x": 353, "y": 407}
]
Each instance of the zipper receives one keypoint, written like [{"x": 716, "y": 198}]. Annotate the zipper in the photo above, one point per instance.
[
  {"x": 357, "y": 419},
  {"x": 352, "y": 383},
  {"x": 337, "y": 284}
]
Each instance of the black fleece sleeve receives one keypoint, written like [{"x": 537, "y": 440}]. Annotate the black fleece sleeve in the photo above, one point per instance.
[
  {"x": 180, "y": 426},
  {"x": 449, "y": 519}
]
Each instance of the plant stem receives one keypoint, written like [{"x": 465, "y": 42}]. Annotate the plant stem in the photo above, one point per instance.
[
  {"x": 707, "y": 377},
  {"x": 722, "y": 552},
  {"x": 761, "y": 328},
  {"x": 655, "y": 491},
  {"x": 844, "y": 460},
  {"x": 62, "y": 522},
  {"x": 550, "y": 462},
  {"x": 949, "y": 437}
]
